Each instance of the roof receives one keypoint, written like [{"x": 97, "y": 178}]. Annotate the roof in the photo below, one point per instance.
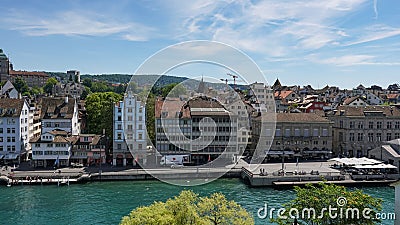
[
  {"x": 11, "y": 107},
  {"x": 53, "y": 108},
  {"x": 348, "y": 101},
  {"x": 7, "y": 86},
  {"x": 59, "y": 132},
  {"x": 392, "y": 96},
  {"x": 28, "y": 73},
  {"x": 96, "y": 139},
  {"x": 300, "y": 118},
  {"x": 362, "y": 111},
  {"x": 172, "y": 106},
  {"x": 57, "y": 139},
  {"x": 283, "y": 94}
]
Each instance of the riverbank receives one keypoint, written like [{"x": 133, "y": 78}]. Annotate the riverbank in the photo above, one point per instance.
[{"x": 270, "y": 175}]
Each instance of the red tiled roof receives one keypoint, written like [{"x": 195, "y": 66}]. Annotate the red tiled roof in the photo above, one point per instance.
[
  {"x": 282, "y": 94},
  {"x": 27, "y": 73}
]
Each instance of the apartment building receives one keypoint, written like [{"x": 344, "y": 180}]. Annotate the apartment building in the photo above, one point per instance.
[
  {"x": 130, "y": 136},
  {"x": 59, "y": 113},
  {"x": 14, "y": 133},
  {"x": 200, "y": 127},
  {"x": 305, "y": 135},
  {"x": 360, "y": 129}
]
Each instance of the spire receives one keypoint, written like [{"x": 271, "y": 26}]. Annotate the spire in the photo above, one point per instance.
[{"x": 202, "y": 86}]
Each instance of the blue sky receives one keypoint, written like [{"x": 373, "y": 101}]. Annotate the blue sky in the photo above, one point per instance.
[{"x": 335, "y": 42}]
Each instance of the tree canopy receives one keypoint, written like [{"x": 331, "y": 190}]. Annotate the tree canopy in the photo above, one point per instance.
[
  {"x": 313, "y": 199},
  {"x": 99, "y": 108},
  {"x": 189, "y": 208},
  {"x": 21, "y": 86},
  {"x": 48, "y": 87}
]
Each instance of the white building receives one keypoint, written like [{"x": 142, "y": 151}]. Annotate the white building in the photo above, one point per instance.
[
  {"x": 51, "y": 149},
  {"x": 60, "y": 113},
  {"x": 129, "y": 131},
  {"x": 14, "y": 115},
  {"x": 262, "y": 97}
]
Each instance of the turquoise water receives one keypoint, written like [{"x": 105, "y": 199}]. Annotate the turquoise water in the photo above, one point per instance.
[{"x": 108, "y": 202}]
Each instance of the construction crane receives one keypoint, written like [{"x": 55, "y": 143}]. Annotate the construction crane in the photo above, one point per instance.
[{"x": 234, "y": 80}]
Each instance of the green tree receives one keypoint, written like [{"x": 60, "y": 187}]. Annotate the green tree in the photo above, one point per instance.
[
  {"x": 173, "y": 90},
  {"x": 150, "y": 117},
  {"x": 87, "y": 82},
  {"x": 21, "y": 86},
  {"x": 85, "y": 92},
  {"x": 36, "y": 91},
  {"x": 189, "y": 208},
  {"x": 48, "y": 87},
  {"x": 101, "y": 86},
  {"x": 99, "y": 108},
  {"x": 322, "y": 196}
]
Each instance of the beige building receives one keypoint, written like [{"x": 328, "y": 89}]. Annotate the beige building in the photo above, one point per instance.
[
  {"x": 360, "y": 129},
  {"x": 297, "y": 135}
]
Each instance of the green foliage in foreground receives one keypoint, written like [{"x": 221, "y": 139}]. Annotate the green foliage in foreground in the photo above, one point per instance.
[
  {"x": 189, "y": 208},
  {"x": 324, "y": 195}
]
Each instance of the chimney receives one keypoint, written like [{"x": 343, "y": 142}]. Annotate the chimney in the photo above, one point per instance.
[{"x": 66, "y": 100}]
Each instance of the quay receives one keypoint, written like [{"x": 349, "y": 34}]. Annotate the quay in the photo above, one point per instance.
[{"x": 264, "y": 175}]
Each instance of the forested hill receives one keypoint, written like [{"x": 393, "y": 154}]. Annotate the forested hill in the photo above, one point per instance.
[{"x": 140, "y": 80}]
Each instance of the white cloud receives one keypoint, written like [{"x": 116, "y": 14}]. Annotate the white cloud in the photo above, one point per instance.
[
  {"x": 376, "y": 33},
  {"x": 351, "y": 60},
  {"x": 77, "y": 23}
]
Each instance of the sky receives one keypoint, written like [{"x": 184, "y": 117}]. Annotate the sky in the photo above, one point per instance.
[{"x": 334, "y": 42}]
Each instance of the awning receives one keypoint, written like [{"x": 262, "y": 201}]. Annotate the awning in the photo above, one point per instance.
[
  {"x": 11, "y": 156},
  {"x": 378, "y": 166},
  {"x": 280, "y": 152},
  {"x": 356, "y": 161},
  {"x": 317, "y": 152}
]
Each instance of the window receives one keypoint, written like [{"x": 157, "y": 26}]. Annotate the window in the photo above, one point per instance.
[
  {"x": 388, "y": 136},
  {"x": 315, "y": 142},
  {"x": 119, "y": 127},
  {"x": 140, "y": 118},
  {"x": 351, "y": 124},
  {"x": 306, "y": 132},
  {"x": 119, "y": 110},
  {"x": 379, "y": 125},
  {"x": 316, "y": 132},
  {"x": 378, "y": 137},
  {"x": 351, "y": 137},
  {"x": 140, "y": 110},
  {"x": 324, "y": 142},
  {"x": 297, "y": 132},
  {"x": 118, "y": 146},
  {"x": 119, "y": 118},
  {"x": 140, "y": 136},
  {"x": 397, "y": 125},
  {"x": 141, "y": 126},
  {"x": 140, "y": 146},
  {"x": 360, "y": 137},
  {"x": 371, "y": 125},
  {"x": 396, "y": 135},
  {"x": 1, "y": 130},
  {"x": 341, "y": 124},
  {"x": 129, "y": 110},
  {"x": 119, "y": 136},
  {"x": 50, "y": 145},
  {"x": 325, "y": 132},
  {"x": 389, "y": 125},
  {"x": 287, "y": 132},
  {"x": 370, "y": 137},
  {"x": 360, "y": 125}
]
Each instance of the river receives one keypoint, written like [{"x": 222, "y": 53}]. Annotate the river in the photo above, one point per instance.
[{"x": 108, "y": 202}]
